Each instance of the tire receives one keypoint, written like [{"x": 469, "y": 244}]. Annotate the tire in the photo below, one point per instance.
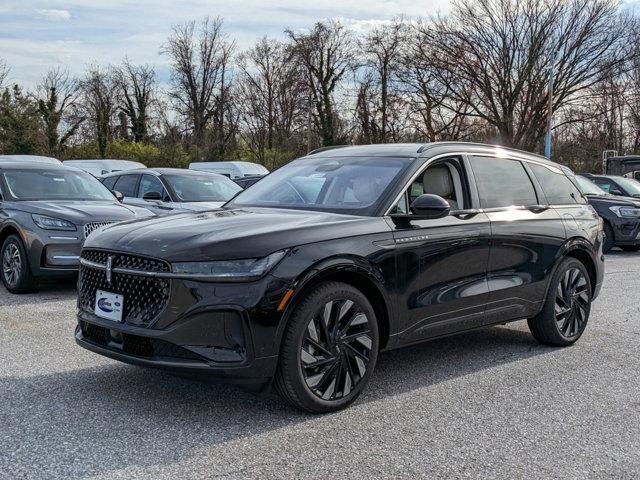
[
  {"x": 16, "y": 274},
  {"x": 609, "y": 239},
  {"x": 325, "y": 369},
  {"x": 630, "y": 248},
  {"x": 565, "y": 313}
]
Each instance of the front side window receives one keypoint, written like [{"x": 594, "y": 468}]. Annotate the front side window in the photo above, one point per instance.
[
  {"x": 351, "y": 185},
  {"x": 202, "y": 188},
  {"x": 503, "y": 183},
  {"x": 32, "y": 184},
  {"x": 556, "y": 186},
  {"x": 151, "y": 183}
]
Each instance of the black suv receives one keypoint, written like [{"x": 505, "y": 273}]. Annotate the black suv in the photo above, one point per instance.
[
  {"x": 307, "y": 275},
  {"x": 621, "y": 216},
  {"x": 616, "y": 185}
]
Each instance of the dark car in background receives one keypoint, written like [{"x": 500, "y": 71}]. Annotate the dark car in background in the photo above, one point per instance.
[
  {"x": 621, "y": 215},
  {"x": 616, "y": 185},
  {"x": 172, "y": 190},
  {"x": 304, "y": 277},
  {"x": 46, "y": 213}
]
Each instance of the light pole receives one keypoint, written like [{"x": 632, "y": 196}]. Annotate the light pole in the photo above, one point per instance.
[{"x": 547, "y": 143}]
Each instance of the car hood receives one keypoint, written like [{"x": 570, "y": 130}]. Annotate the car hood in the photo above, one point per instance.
[
  {"x": 80, "y": 212},
  {"x": 613, "y": 200},
  {"x": 230, "y": 234}
]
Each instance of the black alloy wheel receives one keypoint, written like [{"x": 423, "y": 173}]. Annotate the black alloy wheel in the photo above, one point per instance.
[
  {"x": 336, "y": 349},
  {"x": 329, "y": 349},
  {"x": 565, "y": 313},
  {"x": 572, "y": 302}
]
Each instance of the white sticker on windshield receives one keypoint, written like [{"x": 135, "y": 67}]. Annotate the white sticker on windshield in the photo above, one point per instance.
[{"x": 58, "y": 179}]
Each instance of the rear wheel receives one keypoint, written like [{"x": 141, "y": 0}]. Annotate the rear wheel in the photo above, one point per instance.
[
  {"x": 16, "y": 274},
  {"x": 609, "y": 240},
  {"x": 329, "y": 349},
  {"x": 566, "y": 310}
]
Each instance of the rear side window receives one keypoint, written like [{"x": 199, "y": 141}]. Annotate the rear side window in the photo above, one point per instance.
[
  {"x": 556, "y": 186},
  {"x": 503, "y": 183},
  {"x": 126, "y": 185},
  {"x": 109, "y": 182}
]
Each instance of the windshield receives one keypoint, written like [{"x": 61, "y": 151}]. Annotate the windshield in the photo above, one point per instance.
[
  {"x": 202, "y": 188},
  {"x": 587, "y": 187},
  {"x": 59, "y": 184},
  {"x": 630, "y": 185},
  {"x": 345, "y": 185}
]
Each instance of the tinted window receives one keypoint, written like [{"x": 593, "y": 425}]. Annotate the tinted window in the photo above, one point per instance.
[
  {"x": 151, "y": 183},
  {"x": 126, "y": 185},
  {"x": 556, "y": 186},
  {"x": 109, "y": 182},
  {"x": 503, "y": 183},
  {"x": 604, "y": 184}
]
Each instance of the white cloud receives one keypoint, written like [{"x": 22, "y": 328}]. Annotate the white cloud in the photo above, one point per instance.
[{"x": 54, "y": 15}]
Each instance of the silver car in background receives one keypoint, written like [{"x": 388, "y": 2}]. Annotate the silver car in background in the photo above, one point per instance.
[
  {"x": 46, "y": 213},
  {"x": 164, "y": 191}
]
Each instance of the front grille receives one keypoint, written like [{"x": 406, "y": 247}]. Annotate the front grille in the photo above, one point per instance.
[
  {"x": 90, "y": 227},
  {"x": 145, "y": 298},
  {"x": 135, "y": 344}
]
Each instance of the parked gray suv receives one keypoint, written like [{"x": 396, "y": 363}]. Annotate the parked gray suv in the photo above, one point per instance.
[{"x": 46, "y": 213}]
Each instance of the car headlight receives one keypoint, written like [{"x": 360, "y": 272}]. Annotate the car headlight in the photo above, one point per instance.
[
  {"x": 230, "y": 270},
  {"x": 626, "y": 212},
  {"x": 50, "y": 223}
]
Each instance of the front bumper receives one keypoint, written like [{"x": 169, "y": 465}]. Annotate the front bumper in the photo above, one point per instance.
[
  {"x": 627, "y": 231},
  {"x": 200, "y": 356}
]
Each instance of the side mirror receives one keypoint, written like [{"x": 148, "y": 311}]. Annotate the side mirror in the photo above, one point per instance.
[
  {"x": 615, "y": 191},
  {"x": 152, "y": 196},
  {"x": 118, "y": 195},
  {"x": 430, "y": 206}
]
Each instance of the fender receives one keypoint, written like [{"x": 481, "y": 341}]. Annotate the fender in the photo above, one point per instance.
[
  {"x": 326, "y": 268},
  {"x": 571, "y": 245}
]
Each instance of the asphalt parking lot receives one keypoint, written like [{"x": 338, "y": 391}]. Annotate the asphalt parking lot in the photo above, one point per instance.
[{"x": 487, "y": 404}]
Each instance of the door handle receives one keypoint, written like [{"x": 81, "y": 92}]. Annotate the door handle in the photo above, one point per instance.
[
  {"x": 464, "y": 214},
  {"x": 538, "y": 208}
]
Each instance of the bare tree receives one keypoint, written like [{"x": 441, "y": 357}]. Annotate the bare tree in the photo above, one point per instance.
[
  {"x": 381, "y": 48},
  {"x": 4, "y": 72},
  {"x": 56, "y": 96},
  {"x": 493, "y": 57},
  {"x": 98, "y": 104},
  {"x": 271, "y": 97},
  {"x": 137, "y": 90},
  {"x": 201, "y": 78},
  {"x": 326, "y": 52}
]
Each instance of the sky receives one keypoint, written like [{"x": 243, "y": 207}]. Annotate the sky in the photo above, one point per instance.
[{"x": 38, "y": 35}]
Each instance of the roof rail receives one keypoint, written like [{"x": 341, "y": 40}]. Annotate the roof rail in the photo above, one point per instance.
[{"x": 324, "y": 149}]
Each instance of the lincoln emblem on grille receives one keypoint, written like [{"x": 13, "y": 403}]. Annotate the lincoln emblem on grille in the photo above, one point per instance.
[{"x": 108, "y": 269}]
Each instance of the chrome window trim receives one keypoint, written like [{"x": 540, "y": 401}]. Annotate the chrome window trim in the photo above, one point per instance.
[{"x": 498, "y": 153}]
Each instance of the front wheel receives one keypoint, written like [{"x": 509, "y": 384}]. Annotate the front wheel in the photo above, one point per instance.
[
  {"x": 565, "y": 313},
  {"x": 630, "y": 248},
  {"x": 609, "y": 240},
  {"x": 329, "y": 349},
  {"x": 16, "y": 274}
]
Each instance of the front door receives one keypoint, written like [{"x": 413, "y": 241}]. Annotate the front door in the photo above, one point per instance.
[{"x": 441, "y": 263}]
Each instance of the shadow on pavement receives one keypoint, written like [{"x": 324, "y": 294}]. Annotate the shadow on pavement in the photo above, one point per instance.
[{"x": 98, "y": 420}]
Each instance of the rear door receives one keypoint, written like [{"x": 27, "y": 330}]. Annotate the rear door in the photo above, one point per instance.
[
  {"x": 526, "y": 237},
  {"x": 441, "y": 263}
]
